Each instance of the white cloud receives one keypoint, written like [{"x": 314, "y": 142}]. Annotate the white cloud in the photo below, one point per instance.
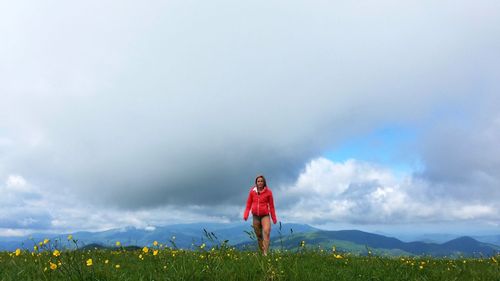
[
  {"x": 16, "y": 189},
  {"x": 18, "y": 205},
  {"x": 475, "y": 211},
  {"x": 149, "y": 228},
  {"x": 364, "y": 193},
  {"x": 13, "y": 232},
  {"x": 17, "y": 183}
]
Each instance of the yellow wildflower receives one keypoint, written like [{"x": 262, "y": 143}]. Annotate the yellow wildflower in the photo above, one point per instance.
[
  {"x": 56, "y": 253},
  {"x": 89, "y": 262},
  {"x": 106, "y": 261},
  {"x": 41, "y": 243},
  {"x": 155, "y": 243},
  {"x": 145, "y": 249},
  {"x": 117, "y": 266},
  {"x": 155, "y": 252},
  {"x": 35, "y": 248},
  {"x": 118, "y": 244},
  {"x": 46, "y": 241},
  {"x": 18, "y": 252},
  {"x": 202, "y": 246},
  {"x": 53, "y": 266},
  {"x": 70, "y": 237}
]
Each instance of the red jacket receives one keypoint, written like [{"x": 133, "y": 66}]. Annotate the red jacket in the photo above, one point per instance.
[{"x": 261, "y": 203}]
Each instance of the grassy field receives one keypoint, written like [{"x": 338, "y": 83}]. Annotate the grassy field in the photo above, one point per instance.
[{"x": 159, "y": 262}]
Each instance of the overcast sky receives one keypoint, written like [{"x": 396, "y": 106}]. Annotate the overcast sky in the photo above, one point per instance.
[{"x": 359, "y": 113}]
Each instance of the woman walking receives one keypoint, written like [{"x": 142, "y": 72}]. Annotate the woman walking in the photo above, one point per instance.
[{"x": 260, "y": 200}]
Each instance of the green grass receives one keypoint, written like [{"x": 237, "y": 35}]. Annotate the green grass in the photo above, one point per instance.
[{"x": 227, "y": 263}]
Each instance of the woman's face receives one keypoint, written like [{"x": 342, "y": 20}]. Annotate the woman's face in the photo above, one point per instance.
[{"x": 260, "y": 182}]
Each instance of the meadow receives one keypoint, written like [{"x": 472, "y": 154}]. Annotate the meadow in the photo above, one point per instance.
[{"x": 51, "y": 260}]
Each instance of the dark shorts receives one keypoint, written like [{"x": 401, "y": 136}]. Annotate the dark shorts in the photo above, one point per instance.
[{"x": 259, "y": 218}]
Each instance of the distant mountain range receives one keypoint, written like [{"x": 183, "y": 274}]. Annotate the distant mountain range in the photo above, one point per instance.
[
  {"x": 359, "y": 242},
  {"x": 186, "y": 235},
  {"x": 240, "y": 235}
]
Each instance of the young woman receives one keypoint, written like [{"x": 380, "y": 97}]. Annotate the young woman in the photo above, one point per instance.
[{"x": 260, "y": 200}]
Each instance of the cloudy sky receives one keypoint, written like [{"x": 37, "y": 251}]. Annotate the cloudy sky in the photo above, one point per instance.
[{"x": 362, "y": 114}]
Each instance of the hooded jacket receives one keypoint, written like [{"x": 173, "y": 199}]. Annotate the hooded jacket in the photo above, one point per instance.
[{"x": 261, "y": 203}]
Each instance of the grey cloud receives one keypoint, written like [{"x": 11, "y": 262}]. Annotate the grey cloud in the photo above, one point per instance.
[
  {"x": 20, "y": 218},
  {"x": 357, "y": 190},
  {"x": 462, "y": 159},
  {"x": 140, "y": 106}
]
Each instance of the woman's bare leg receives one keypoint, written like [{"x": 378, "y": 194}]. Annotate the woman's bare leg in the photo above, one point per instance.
[
  {"x": 257, "y": 226},
  {"x": 266, "y": 232}
]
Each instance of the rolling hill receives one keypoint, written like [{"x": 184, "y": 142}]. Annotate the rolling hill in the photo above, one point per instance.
[{"x": 360, "y": 242}]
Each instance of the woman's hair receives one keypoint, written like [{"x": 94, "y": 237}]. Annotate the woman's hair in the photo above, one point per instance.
[{"x": 260, "y": 176}]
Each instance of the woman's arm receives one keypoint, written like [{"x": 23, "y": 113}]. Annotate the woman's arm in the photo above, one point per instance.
[
  {"x": 249, "y": 205},
  {"x": 271, "y": 206}
]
